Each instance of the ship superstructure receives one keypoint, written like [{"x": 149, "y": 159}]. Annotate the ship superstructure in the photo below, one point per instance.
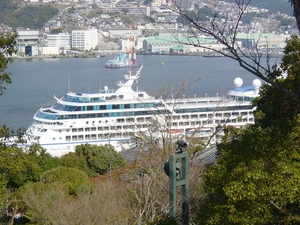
[{"x": 119, "y": 117}]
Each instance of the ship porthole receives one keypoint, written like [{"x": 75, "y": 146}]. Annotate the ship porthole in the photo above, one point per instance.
[
  {"x": 53, "y": 139},
  {"x": 87, "y": 122},
  {"x": 60, "y": 138},
  {"x": 99, "y": 121}
]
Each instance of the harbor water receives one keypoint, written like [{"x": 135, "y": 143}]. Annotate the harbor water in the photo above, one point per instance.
[{"x": 35, "y": 82}]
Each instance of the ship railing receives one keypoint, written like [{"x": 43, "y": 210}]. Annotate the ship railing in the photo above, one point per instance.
[
  {"x": 130, "y": 100},
  {"x": 191, "y": 101}
]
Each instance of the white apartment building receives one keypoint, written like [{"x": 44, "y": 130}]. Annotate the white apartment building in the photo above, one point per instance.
[
  {"x": 84, "y": 39},
  {"x": 127, "y": 44},
  {"x": 59, "y": 40}
]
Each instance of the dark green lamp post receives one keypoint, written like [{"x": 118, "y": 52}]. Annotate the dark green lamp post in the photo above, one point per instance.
[{"x": 177, "y": 170}]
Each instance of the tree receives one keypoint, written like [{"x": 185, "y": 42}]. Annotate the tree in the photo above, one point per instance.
[
  {"x": 296, "y": 5},
  {"x": 29, "y": 16},
  {"x": 49, "y": 204},
  {"x": 60, "y": 183},
  {"x": 224, "y": 30},
  {"x": 256, "y": 177},
  {"x": 94, "y": 159},
  {"x": 125, "y": 11},
  {"x": 7, "y": 49},
  {"x": 56, "y": 31},
  {"x": 76, "y": 180},
  {"x": 147, "y": 188},
  {"x": 77, "y": 161},
  {"x": 17, "y": 167}
]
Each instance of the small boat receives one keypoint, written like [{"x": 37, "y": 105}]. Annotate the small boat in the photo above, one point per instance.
[{"x": 124, "y": 60}]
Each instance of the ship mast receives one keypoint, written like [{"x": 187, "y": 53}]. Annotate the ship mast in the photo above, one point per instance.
[
  {"x": 132, "y": 50},
  {"x": 126, "y": 87}
]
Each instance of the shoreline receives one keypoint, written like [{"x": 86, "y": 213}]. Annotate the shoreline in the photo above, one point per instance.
[{"x": 208, "y": 55}]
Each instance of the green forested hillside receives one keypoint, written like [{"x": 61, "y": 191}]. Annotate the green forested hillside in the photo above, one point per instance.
[
  {"x": 15, "y": 13},
  {"x": 273, "y": 6}
]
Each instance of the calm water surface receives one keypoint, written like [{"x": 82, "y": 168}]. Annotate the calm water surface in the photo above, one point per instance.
[{"x": 36, "y": 81}]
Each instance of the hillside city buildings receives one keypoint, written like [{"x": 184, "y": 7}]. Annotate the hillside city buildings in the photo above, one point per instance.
[
  {"x": 103, "y": 34},
  {"x": 29, "y": 43}
]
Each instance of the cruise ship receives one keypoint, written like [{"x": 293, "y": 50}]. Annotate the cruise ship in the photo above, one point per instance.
[{"x": 120, "y": 117}]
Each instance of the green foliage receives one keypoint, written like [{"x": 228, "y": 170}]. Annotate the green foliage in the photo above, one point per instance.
[
  {"x": 257, "y": 174},
  {"x": 125, "y": 11},
  {"x": 204, "y": 13},
  {"x": 36, "y": 197},
  {"x": 21, "y": 167},
  {"x": 248, "y": 17},
  {"x": 56, "y": 31},
  {"x": 282, "y": 116},
  {"x": 7, "y": 49},
  {"x": 190, "y": 14},
  {"x": 5, "y": 132},
  {"x": 18, "y": 167},
  {"x": 198, "y": 15},
  {"x": 254, "y": 181},
  {"x": 49, "y": 204},
  {"x": 273, "y": 6},
  {"x": 286, "y": 21},
  {"x": 100, "y": 158},
  {"x": 76, "y": 180},
  {"x": 128, "y": 19},
  {"x": 42, "y": 158},
  {"x": 32, "y": 17},
  {"x": 77, "y": 161},
  {"x": 94, "y": 13}
]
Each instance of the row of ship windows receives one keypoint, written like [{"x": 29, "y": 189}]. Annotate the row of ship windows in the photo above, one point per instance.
[
  {"x": 211, "y": 115},
  {"x": 78, "y": 98},
  {"x": 139, "y": 113},
  {"x": 96, "y": 137},
  {"x": 126, "y": 134},
  {"x": 88, "y": 129},
  {"x": 70, "y": 108},
  {"x": 215, "y": 122},
  {"x": 183, "y": 117},
  {"x": 174, "y": 124},
  {"x": 59, "y": 106},
  {"x": 213, "y": 109}
]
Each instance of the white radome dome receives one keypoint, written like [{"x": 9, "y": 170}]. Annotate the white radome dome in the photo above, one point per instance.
[
  {"x": 256, "y": 83},
  {"x": 238, "y": 82}
]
